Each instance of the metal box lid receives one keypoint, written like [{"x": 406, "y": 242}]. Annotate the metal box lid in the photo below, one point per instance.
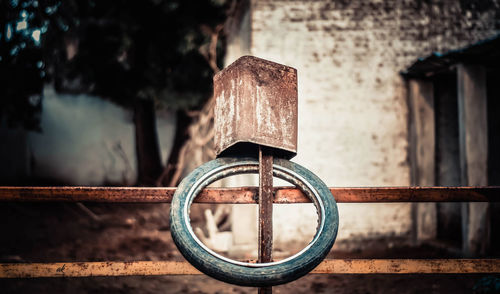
[{"x": 256, "y": 104}]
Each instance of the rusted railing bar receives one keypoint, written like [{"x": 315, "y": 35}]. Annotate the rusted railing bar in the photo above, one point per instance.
[
  {"x": 328, "y": 266},
  {"x": 247, "y": 195},
  {"x": 408, "y": 266}
]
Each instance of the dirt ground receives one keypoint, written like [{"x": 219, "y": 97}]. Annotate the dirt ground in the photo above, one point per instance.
[{"x": 97, "y": 232}]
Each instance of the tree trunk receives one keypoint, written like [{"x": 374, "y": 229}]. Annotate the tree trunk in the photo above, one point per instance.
[
  {"x": 149, "y": 165},
  {"x": 181, "y": 136}
]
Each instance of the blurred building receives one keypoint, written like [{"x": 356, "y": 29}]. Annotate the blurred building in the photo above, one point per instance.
[{"x": 354, "y": 111}]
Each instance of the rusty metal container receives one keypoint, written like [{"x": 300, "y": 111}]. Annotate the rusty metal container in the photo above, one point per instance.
[{"x": 256, "y": 104}]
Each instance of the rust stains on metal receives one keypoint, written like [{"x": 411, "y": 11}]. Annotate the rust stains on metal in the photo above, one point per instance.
[
  {"x": 265, "y": 205},
  {"x": 417, "y": 194},
  {"x": 248, "y": 195},
  {"x": 256, "y": 104},
  {"x": 408, "y": 266},
  {"x": 92, "y": 194},
  {"x": 265, "y": 209},
  {"x": 90, "y": 269},
  {"x": 327, "y": 266}
]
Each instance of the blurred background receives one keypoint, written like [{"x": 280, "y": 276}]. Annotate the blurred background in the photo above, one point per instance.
[{"x": 119, "y": 93}]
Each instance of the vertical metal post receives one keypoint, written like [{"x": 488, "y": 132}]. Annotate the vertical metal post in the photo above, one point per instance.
[
  {"x": 242, "y": 124},
  {"x": 265, "y": 209}
]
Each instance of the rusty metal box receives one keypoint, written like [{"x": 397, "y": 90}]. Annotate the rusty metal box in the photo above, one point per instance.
[{"x": 256, "y": 104}]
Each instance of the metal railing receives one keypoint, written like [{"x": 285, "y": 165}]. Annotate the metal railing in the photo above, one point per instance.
[{"x": 249, "y": 195}]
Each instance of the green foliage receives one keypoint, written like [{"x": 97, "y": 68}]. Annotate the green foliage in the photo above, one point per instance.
[
  {"x": 21, "y": 65},
  {"x": 119, "y": 50}
]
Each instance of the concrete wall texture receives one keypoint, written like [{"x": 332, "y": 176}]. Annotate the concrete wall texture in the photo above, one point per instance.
[{"x": 353, "y": 112}]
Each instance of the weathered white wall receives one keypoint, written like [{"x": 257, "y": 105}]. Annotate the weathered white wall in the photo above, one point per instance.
[
  {"x": 84, "y": 141},
  {"x": 353, "y": 112}
]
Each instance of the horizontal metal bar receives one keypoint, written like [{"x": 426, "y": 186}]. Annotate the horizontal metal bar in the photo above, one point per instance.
[
  {"x": 248, "y": 194},
  {"x": 408, "y": 266},
  {"x": 96, "y": 269},
  {"x": 328, "y": 266}
]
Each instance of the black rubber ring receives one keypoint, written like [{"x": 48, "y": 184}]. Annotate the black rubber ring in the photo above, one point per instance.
[{"x": 239, "y": 273}]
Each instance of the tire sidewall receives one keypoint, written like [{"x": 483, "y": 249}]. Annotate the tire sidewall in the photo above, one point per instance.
[{"x": 252, "y": 276}]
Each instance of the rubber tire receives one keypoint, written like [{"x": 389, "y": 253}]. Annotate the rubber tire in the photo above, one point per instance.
[{"x": 252, "y": 276}]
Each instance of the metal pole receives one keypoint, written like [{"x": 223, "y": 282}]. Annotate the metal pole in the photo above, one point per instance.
[{"x": 265, "y": 209}]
